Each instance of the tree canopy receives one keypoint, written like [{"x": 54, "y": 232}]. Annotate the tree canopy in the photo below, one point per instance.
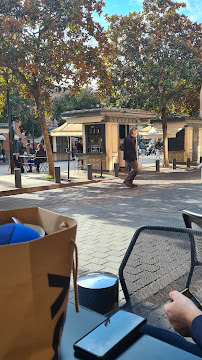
[
  {"x": 45, "y": 43},
  {"x": 85, "y": 99},
  {"x": 21, "y": 110},
  {"x": 157, "y": 56}
]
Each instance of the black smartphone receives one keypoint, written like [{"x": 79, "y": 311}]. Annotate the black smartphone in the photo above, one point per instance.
[
  {"x": 186, "y": 292},
  {"x": 111, "y": 336}
]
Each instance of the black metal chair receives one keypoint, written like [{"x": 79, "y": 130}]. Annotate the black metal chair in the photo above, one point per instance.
[
  {"x": 158, "y": 260},
  {"x": 192, "y": 220}
]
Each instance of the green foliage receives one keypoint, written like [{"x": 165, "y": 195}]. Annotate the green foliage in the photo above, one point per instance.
[
  {"x": 86, "y": 99},
  {"x": 21, "y": 110},
  {"x": 49, "y": 177},
  {"x": 48, "y": 42},
  {"x": 44, "y": 43},
  {"x": 157, "y": 58}
]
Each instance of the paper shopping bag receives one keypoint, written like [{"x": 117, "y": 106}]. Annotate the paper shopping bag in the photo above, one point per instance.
[{"x": 34, "y": 286}]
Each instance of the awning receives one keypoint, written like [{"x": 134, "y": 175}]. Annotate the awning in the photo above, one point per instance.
[
  {"x": 121, "y": 115},
  {"x": 156, "y": 131},
  {"x": 68, "y": 130},
  {"x": 2, "y": 137}
]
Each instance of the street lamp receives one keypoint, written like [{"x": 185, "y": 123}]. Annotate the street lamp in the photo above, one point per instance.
[
  {"x": 33, "y": 132},
  {"x": 11, "y": 132}
]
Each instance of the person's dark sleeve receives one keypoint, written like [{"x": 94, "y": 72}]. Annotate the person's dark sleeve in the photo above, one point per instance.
[
  {"x": 196, "y": 330},
  {"x": 129, "y": 150}
]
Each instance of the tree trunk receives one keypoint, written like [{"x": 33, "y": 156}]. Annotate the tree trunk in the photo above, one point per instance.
[
  {"x": 46, "y": 138},
  {"x": 165, "y": 137}
]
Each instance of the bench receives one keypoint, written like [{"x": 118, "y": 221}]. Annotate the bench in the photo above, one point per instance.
[{"x": 43, "y": 164}]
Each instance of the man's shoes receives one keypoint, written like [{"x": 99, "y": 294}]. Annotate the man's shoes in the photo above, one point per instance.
[
  {"x": 37, "y": 170},
  {"x": 30, "y": 170},
  {"x": 129, "y": 185}
]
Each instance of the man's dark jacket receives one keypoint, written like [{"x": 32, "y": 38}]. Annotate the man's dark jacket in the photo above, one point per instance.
[
  {"x": 129, "y": 149},
  {"x": 19, "y": 148},
  {"x": 196, "y": 330}
]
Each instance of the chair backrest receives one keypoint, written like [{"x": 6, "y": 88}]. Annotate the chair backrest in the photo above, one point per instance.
[
  {"x": 159, "y": 260},
  {"x": 192, "y": 220}
]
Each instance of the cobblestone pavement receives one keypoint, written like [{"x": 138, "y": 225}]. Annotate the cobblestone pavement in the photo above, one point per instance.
[{"x": 109, "y": 213}]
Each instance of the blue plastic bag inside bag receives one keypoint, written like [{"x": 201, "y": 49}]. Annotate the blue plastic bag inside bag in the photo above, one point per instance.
[{"x": 16, "y": 233}]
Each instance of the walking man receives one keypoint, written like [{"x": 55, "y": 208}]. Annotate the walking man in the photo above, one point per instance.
[{"x": 130, "y": 156}]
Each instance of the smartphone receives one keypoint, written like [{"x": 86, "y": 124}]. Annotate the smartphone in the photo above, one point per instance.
[
  {"x": 110, "y": 337},
  {"x": 186, "y": 292}
]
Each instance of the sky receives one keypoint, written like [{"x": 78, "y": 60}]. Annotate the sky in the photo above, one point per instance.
[{"x": 123, "y": 7}]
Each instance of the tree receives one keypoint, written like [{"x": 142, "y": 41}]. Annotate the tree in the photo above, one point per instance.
[
  {"x": 158, "y": 58},
  {"x": 21, "y": 110},
  {"x": 85, "y": 99},
  {"x": 46, "y": 43}
]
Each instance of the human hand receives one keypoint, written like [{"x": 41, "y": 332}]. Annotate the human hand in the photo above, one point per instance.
[{"x": 181, "y": 312}]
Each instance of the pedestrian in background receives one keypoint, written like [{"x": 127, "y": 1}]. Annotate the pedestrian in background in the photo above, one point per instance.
[
  {"x": 158, "y": 149},
  {"x": 130, "y": 156},
  {"x": 142, "y": 148},
  {"x": 28, "y": 147},
  {"x": 79, "y": 146},
  {"x": 20, "y": 151},
  {"x": 40, "y": 158},
  {"x": 19, "y": 147}
]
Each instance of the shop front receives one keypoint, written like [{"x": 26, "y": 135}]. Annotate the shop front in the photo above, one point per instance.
[
  {"x": 64, "y": 139},
  {"x": 104, "y": 131},
  {"x": 184, "y": 138}
]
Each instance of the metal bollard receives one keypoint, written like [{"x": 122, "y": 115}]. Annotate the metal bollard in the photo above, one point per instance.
[
  {"x": 157, "y": 165},
  {"x": 116, "y": 169},
  {"x": 89, "y": 171},
  {"x": 57, "y": 174},
  {"x": 174, "y": 164},
  {"x": 188, "y": 162},
  {"x": 101, "y": 176},
  {"x": 18, "y": 183}
]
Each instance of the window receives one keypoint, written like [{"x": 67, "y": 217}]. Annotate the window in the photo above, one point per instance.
[
  {"x": 122, "y": 131},
  {"x": 95, "y": 138},
  {"x": 176, "y": 144},
  {"x": 62, "y": 143}
]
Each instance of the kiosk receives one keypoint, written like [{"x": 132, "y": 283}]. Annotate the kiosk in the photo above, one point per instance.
[{"x": 104, "y": 131}]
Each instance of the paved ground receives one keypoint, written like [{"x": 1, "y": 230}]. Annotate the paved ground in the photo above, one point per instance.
[{"x": 108, "y": 213}]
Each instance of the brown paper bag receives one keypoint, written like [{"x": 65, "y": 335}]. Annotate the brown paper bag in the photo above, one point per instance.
[{"x": 34, "y": 286}]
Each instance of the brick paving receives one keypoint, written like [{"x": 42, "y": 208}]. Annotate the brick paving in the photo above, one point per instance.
[{"x": 109, "y": 213}]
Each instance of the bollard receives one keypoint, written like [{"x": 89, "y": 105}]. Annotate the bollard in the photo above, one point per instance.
[
  {"x": 200, "y": 167},
  {"x": 101, "y": 176},
  {"x": 18, "y": 183},
  {"x": 174, "y": 164},
  {"x": 57, "y": 174},
  {"x": 188, "y": 162},
  {"x": 116, "y": 169},
  {"x": 89, "y": 171},
  {"x": 157, "y": 165}
]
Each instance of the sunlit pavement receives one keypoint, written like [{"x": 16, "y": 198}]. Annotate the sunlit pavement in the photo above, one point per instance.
[{"x": 109, "y": 213}]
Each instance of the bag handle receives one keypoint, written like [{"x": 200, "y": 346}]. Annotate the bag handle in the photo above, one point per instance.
[
  {"x": 75, "y": 273},
  {"x": 75, "y": 268}
]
